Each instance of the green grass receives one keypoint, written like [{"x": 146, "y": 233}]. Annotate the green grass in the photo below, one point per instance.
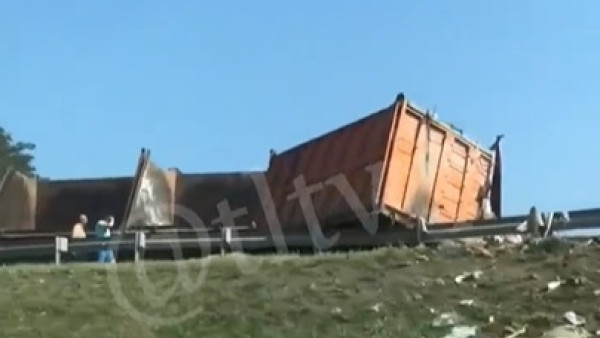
[{"x": 383, "y": 293}]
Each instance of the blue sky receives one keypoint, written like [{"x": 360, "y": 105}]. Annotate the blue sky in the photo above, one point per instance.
[{"x": 212, "y": 85}]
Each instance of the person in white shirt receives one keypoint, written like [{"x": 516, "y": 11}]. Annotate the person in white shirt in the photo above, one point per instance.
[{"x": 78, "y": 231}]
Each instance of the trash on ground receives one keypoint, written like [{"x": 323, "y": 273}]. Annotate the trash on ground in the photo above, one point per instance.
[
  {"x": 513, "y": 333},
  {"x": 554, "y": 285},
  {"x": 446, "y": 319},
  {"x": 566, "y": 331},
  {"x": 376, "y": 307},
  {"x": 462, "y": 332},
  {"x": 468, "y": 276},
  {"x": 467, "y": 302},
  {"x": 573, "y": 318}
]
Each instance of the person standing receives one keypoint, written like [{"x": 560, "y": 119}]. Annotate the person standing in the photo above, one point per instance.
[
  {"x": 78, "y": 231},
  {"x": 103, "y": 234}
]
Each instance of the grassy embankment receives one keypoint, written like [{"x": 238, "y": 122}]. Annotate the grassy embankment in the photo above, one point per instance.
[{"x": 384, "y": 293}]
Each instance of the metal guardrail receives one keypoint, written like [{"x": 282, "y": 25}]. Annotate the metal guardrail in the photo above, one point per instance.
[{"x": 534, "y": 225}]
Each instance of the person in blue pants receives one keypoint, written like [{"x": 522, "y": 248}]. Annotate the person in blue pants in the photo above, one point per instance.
[{"x": 103, "y": 227}]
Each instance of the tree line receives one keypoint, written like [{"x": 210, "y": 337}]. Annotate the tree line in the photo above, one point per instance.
[{"x": 17, "y": 155}]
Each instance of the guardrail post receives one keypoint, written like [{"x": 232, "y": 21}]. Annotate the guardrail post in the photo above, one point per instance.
[
  {"x": 61, "y": 244},
  {"x": 225, "y": 239},
  {"x": 534, "y": 222},
  {"x": 140, "y": 245},
  {"x": 421, "y": 229}
]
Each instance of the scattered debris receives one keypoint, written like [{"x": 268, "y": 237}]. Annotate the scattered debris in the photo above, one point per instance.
[
  {"x": 574, "y": 319},
  {"x": 376, "y": 307},
  {"x": 421, "y": 257},
  {"x": 554, "y": 285},
  {"x": 513, "y": 333},
  {"x": 462, "y": 332},
  {"x": 597, "y": 292},
  {"x": 566, "y": 331},
  {"x": 446, "y": 319},
  {"x": 508, "y": 239},
  {"x": 478, "y": 250},
  {"x": 467, "y": 302},
  {"x": 576, "y": 281},
  {"x": 522, "y": 227},
  {"x": 468, "y": 276}
]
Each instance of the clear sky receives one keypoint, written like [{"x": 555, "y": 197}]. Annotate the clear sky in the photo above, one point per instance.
[{"x": 212, "y": 85}]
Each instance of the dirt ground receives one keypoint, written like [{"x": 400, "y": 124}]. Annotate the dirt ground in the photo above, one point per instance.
[{"x": 391, "y": 292}]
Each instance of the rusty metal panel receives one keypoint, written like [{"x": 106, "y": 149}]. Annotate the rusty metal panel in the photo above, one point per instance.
[
  {"x": 153, "y": 201},
  {"x": 202, "y": 193},
  {"x": 17, "y": 202},
  {"x": 60, "y": 202},
  {"x": 346, "y": 154}
]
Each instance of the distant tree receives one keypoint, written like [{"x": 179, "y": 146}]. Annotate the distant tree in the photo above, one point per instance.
[{"x": 16, "y": 154}]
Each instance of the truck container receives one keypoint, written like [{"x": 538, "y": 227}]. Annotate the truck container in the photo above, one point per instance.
[
  {"x": 169, "y": 198},
  {"x": 399, "y": 161},
  {"x": 202, "y": 194},
  {"x": 60, "y": 202}
]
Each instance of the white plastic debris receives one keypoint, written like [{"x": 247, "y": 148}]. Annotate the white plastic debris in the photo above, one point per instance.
[
  {"x": 462, "y": 332},
  {"x": 515, "y": 333},
  {"x": 522, "y": 227},
  {"x": 468, "y": 276},
  {"x": 514, "y": 239},
  {"x": 566, "y": 331},
  {"x": 574, "y": 319},
  {"x": 376, "y": 307},
  {"x": 336, "y": 311},
  {"x": 446, "y": 319},
  {"x": 554, "y": 285},
  {"x": 467, "y": 302}
]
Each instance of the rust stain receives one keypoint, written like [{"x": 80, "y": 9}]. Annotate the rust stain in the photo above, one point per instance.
[
  {"x": 348, "y": 151},
  {"x": 61, "y": 201},
  {"x": 17, "y": 202},
  {"x": 201, "y": 193}
]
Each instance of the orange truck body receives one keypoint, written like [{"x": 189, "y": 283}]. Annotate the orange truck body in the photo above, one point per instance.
[{"x": 397, "y": 161}]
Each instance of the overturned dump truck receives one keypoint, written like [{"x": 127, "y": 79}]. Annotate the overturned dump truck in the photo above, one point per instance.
[
  {"x": 398, "y": 162},
  {"x": 391, "y": 168}
]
